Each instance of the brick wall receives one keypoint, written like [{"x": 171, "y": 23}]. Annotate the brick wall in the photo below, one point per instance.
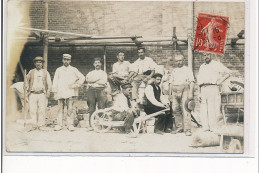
[
  {"x": 132, "y": 18},
  {"x": 128, "y": 18}
]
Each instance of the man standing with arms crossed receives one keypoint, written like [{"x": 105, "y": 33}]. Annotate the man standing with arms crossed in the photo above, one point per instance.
[
  {"x": 39, "y": 81},
  {"x": 97, "y": 80},
  {"x": 211, "y": 75},
  {"x": 142, "y": 70},
  {"x": 181, "y": 85},
  {"x": 120, "y": 72},
  {"x": 66, "y": 81}
]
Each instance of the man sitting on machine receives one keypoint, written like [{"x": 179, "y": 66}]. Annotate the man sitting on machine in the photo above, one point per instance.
[
  {"x": 155, "y": 103},
  {"x": 123, "y": 109}
]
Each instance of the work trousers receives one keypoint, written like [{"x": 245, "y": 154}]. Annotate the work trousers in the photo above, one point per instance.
[
  {"x": 115, "y": 83},
  {"x": 65, "y": 113},
  {"x": 160, "y": 122},
  {"x": 136, "y": 85},
  {"x": 178, "y": 99},
  {"x": 37, "y": 106},
  {"x": 96, "y": 96},
  {"x": 210, "y": 107},
  {"x": 126, "y": 116}
]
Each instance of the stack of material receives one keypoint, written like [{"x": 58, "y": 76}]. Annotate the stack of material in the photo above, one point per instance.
[
  {"x": 150, "y": 125},
  {"x": 52, "y": 114},
  {"x": 205, "y": 139},
  {"x": 80, "y": 109}
]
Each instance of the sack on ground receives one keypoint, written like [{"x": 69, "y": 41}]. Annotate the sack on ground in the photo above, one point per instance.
[{"x": 205, "y": 139}]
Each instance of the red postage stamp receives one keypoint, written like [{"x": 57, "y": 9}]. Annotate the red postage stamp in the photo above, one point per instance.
[{"x": 211, "y": 33}]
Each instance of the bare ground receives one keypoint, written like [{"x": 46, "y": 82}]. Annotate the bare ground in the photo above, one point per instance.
[{"x": 81, "y": 140}]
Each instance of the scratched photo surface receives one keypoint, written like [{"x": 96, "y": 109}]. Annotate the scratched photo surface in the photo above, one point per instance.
[{"x": 92, "y": 76}]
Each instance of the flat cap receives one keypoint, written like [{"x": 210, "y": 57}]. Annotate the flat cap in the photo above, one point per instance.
[
  {"x": 66, "y": 56},
  {"x": 126, "y": 85},
  {"x": 38, "y": 58},
  {"x": 157, "y": 75}
]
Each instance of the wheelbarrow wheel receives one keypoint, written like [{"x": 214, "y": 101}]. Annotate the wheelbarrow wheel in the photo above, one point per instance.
[{"x": 101, "y": 121}]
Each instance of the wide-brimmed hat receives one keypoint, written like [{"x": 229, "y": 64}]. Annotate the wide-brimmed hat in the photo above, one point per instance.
[
  {"x": 38, "y": 58},
  {"x": 189, "y": 105}
]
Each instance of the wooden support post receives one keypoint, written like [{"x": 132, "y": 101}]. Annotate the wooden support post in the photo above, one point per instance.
[
  {"x": 190, "y": 54},
  {"x": 45, "y": 36},
  {"x": 105, "y": 59},
  {"x": 25, "y": 105},
  {"x": 174, "y": 38}
]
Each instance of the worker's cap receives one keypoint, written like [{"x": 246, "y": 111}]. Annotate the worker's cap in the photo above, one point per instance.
[
  {"x": 38, "y": 58},
  {"x": 189, "y": 105},
  {"x": 126, "y": 85},
  {"x": 157, "y": 75},
  {"x": 66, "y": 56}
]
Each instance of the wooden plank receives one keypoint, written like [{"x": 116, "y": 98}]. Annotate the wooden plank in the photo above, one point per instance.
[
  {"x": 45, "y": 37},
  {"x": 190, "y": 54}
]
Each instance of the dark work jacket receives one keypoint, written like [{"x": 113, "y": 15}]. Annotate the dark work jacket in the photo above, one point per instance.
[{"x": 157, "y": 95}]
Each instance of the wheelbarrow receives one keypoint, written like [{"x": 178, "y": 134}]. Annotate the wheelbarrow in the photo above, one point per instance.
[{"x": 101, "y": 120}]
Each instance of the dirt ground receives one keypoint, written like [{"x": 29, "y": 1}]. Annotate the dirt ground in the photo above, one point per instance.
[{"x": 81, "y": 140}]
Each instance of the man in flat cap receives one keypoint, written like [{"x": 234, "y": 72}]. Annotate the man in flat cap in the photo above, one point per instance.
[
  {"x": 210, "y": 77},
  {"x": 181, "y": 85},
  {"x": 120, "y": 72},
  {"x": 39, "y": 87},
  {"x": 67, "y": 80},
  {"x": 141, "y": 70},
  {"x": 97, "y": 80},
  {"x": 156, "y": 102},
  {"x": 123, "y": 109}
]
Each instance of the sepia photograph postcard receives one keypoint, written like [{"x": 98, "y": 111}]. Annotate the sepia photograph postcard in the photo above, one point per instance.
[{"x": 125, "y": 77}]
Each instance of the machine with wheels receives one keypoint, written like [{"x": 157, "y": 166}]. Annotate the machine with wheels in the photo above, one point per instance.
[{"x": 101, "y": 120}]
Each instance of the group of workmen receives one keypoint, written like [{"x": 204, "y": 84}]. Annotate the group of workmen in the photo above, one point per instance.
[{"x": 125, "y": 81}]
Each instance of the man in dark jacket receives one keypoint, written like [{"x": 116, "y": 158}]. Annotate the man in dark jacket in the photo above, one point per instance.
[{"x": 155, "y": 103}]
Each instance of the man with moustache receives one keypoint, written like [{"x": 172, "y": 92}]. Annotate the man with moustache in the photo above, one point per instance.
[
  {"x": 119, "y": 74},
  {"x": 210, "y": 77},
  {"x": 97, "y": 80},
  {"x": 142, "y": 70},
  {"x": 39, "y": 87},
  {"x": 67, "y": 80},
  {"x": 181, "y": 85},
  {"x": 123, "y": 109},
  {"x": 155, "y": 102}
]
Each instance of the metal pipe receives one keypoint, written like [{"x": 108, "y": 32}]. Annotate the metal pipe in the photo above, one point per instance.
[
  {"x": 80, "y": 35},
  {"x": 55, "y": 32}
]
